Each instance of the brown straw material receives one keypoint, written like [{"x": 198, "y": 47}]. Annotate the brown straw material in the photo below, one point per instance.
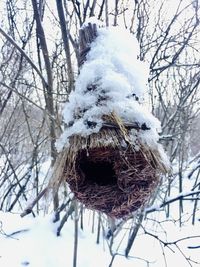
[
  {"x": 107, "y": 171},
  {"x": 108, "y": 175}
]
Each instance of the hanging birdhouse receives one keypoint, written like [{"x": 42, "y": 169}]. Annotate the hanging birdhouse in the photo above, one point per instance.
[{"x": 110, "y": 156}]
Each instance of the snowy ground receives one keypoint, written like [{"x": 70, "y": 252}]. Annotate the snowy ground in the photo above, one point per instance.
[{"x": 33, "y": 242}]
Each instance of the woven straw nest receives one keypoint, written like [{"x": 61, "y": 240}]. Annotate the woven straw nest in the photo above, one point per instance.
[
  {"x": 108, "y": 174},
  {"x": 110, "y": 178},
  {"x": 104, "y": 170}
]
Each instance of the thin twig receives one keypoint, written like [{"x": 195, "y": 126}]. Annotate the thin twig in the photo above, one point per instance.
[
  {"x": 31, "y": 206},
  {"x": 24, "y": 54}
]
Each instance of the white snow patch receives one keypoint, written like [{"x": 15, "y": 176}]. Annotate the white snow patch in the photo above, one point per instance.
[
  {"x": 116, "y": 78},
  {"x": 36, "y": 243}
]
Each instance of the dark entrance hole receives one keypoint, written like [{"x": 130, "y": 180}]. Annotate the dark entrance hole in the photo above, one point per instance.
[{"x": 100, "y": 172}]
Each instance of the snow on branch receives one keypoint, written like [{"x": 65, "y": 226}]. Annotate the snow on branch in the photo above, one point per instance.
[{"x": 182, "y": 195}]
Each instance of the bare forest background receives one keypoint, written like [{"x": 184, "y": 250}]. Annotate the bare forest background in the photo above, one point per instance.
[{"x": 38, "y": 68}]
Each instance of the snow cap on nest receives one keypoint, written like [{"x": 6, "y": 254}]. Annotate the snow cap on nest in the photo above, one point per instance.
[{"x": 113, "y": 79}]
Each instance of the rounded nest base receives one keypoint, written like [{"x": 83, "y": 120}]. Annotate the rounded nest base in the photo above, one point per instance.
[{"x": 112, "y": 181}]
